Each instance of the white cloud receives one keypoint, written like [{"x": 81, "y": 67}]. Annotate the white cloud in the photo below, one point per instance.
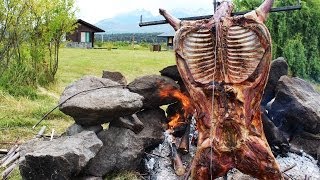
[{"x": 95, "y": 10}]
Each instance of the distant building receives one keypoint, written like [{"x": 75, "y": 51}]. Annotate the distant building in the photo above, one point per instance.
[
  {"x": 83, "y": 35},
  {"x": 169, "y": 36}
]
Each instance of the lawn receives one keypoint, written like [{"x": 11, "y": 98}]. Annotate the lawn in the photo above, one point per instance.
[{"x": 19, "y": 114}]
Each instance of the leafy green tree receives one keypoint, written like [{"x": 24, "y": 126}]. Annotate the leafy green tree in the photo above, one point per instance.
[{"x": 31, "y": 32}]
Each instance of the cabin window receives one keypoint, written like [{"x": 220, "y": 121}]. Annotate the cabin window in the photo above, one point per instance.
[
  {"x": 85, "y": 37},
  {"x": 170, "y": 40}
]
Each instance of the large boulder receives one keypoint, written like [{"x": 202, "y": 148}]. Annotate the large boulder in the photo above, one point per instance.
[
  {"x": 62, "y": 158},
  {"x": 123, "y": 149},
  {"x": 93, "y": 101},
  {"x": 150, "y": 87},
  {"x": 115, "y": 76},
  {"x": 296, "y": 106},
  {"x": 279, "y": 67},
  {"x": 171, "y": 72},
  {"x": 275, "y": 137},
  {"x": 309, "y": 143}
]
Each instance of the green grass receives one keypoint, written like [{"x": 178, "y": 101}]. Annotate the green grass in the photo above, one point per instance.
[{"x": 19, "y": 114}]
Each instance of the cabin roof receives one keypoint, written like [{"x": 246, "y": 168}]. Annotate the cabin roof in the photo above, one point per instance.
[{"x": 95, "y": 28}]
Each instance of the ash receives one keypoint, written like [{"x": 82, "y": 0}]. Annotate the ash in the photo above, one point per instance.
[{"x": 306, "y": 166}]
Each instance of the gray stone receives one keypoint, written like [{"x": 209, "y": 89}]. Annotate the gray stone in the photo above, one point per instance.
[
  {"x": 129, "y": 122},
  {"x": 150, "y": 88},
  {"x": 102, "y": 101},
  {"x": 171, "y": 72},
  {"x": 76, "y": 128},
  {"x": 123, "y": 149},
  {"x": 296, "y": 106},
  {"x": 275, "y": 137},
  {"x": 115, "y": 76},
  {"x": 309, "y": 143},
  {"x": 62, "y": 158},
  {"x": 278, "y": 68}
]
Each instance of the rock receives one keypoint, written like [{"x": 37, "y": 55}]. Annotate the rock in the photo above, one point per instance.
[
  {"x": 276, "y": 139},
  {"x": 279, "y": 67},
  {"x": 171, "y": 72},
  {"x": 129, "y": 122},
  {"x": 76, "y": 128},
  {"x": 150, "y": 87},
  {"x": 108, "y": 100},
  {"x": 307, "y": 142},
  {"x": 62, "y": 158},
  {"x": 123, "y": 149},
  {"x": 296, "y": 106},
  {"x": 115, "y": 76}
]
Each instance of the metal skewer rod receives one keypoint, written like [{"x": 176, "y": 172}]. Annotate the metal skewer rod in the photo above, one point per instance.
[{"x": 277, "y": 9}]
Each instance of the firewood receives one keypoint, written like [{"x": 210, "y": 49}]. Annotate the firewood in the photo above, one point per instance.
[
  {"x": 178, "y": 167},
  {"x": 40, "y": 133},
  {"x": 4, "y": 151},
  {"x": 9, "y": 154},
  {"x": 52, "y": 133},
  {"x": 8, "y": 171},
  {"x": 11, "y": 159},
  {"x": 184, "y": 143}
]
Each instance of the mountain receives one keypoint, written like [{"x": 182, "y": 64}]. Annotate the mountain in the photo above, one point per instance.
[{"x": 129, "y": 22}]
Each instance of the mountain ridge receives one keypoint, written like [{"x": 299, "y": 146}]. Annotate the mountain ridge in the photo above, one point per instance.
[{"x": 129, "y": 22}]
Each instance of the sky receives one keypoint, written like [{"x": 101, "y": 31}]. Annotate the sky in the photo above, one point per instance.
[{"x": 95, "y": 10}]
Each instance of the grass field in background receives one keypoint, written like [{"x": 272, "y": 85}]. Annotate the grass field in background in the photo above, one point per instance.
[{"x": 19, "y": 114}]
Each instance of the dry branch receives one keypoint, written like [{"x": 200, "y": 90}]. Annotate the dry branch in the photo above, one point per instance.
[
  {"x": 8, "y": 171},
  {"x": 12, "y": 158}
]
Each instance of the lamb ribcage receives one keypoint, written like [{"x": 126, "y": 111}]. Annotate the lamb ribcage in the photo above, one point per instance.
[{"x": 240, "y": 54}]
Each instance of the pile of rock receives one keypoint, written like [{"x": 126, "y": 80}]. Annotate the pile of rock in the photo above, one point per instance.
[
  {"x": 86, "y": 149},
  {"x": 292, "y": 112},
  {"x": 291, "y": 118}
]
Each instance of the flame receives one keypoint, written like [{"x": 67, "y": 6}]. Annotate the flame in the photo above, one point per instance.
[
  {"x": 174, "y": 121},
  {"x": 177, "y": 119}
]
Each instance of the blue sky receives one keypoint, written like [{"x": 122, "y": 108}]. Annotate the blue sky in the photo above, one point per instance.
[{"x": 96, "y": 10}]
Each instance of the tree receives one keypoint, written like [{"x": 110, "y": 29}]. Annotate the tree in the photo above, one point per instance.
[
  {"x": 31, "y": 32},
  {"x": 292, "y": 30}
]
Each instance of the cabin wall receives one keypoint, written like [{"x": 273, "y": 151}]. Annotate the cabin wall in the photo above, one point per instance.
[{"x": 75, "y": 37}]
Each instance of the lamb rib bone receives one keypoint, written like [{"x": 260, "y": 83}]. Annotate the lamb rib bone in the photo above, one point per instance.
[{"x": 224, "y": 63}]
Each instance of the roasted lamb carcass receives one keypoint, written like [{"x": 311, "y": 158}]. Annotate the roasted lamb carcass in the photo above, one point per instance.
[{"x": 224, "y": 63}]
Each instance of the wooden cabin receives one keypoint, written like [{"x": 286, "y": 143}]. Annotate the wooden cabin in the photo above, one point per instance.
[
  {"x": 83, "y": 35},
  {"x": 169, "y": 36}
]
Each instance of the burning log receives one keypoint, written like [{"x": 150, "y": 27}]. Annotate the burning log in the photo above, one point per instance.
[
  {"x": 184, "y": 143},
  {"x": 178, "y": 167}
]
